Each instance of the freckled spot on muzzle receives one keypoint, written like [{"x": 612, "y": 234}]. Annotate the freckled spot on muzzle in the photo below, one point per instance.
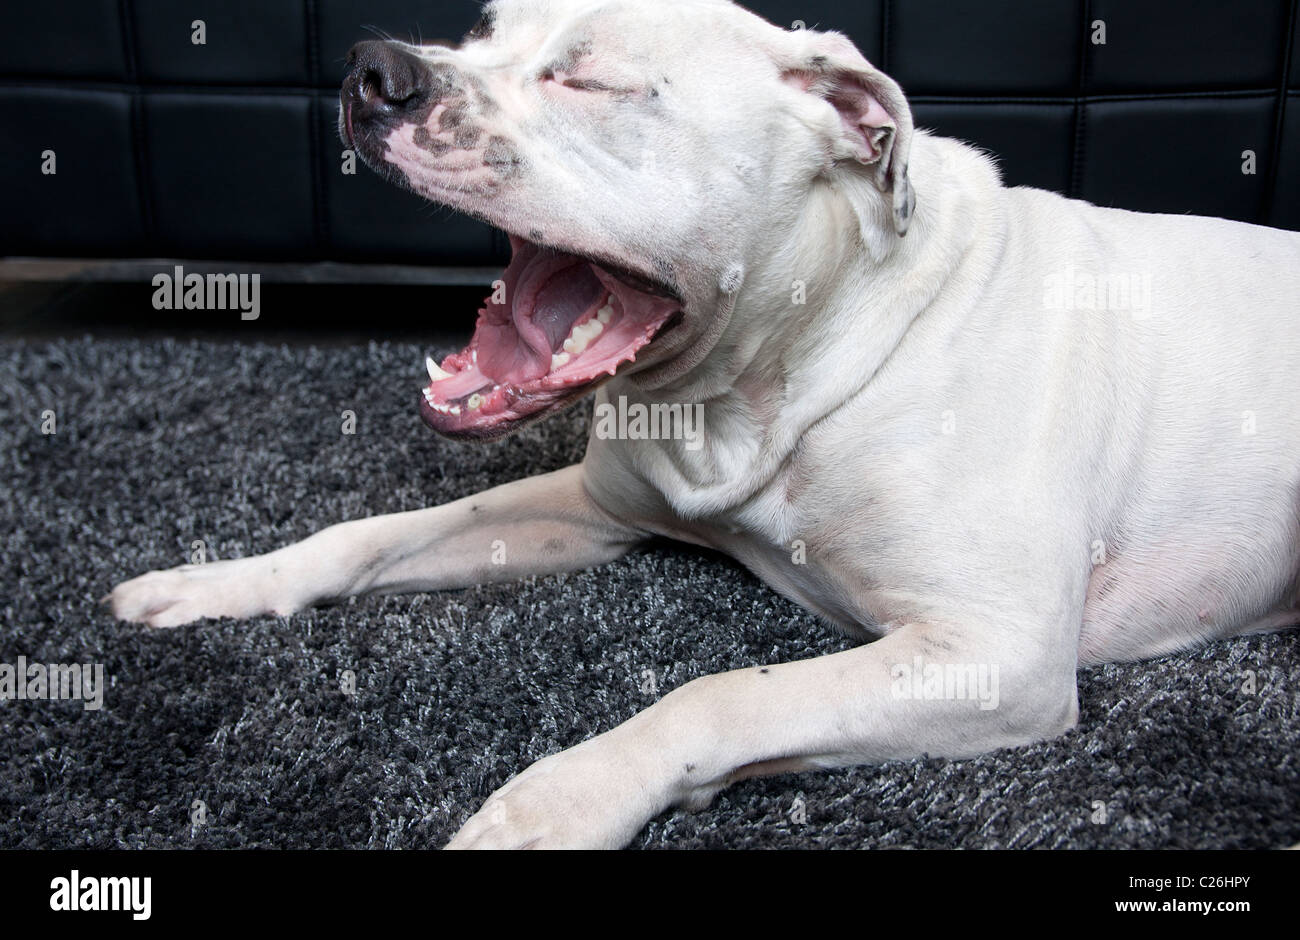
[
  {"x": 467, "y": 137},
  {"x": 426, "y": 141},
  {"x": 444, "y": 82},
  {"x": 457, "y": 119},
  {"x": 503, "y": 157}
]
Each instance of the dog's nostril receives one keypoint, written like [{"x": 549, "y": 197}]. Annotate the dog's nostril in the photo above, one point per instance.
[
  {"x": 384, "y": 80},
  {"x": 371, "y": 86},
  {"x": 382, "y": 89}
]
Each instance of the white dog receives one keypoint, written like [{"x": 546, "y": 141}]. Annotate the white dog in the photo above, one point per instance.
[{"x": 1000, "y": 432}]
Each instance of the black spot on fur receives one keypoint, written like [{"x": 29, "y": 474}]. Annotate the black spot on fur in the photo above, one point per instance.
[
  {"x": 467, "y": 137},
  {"x": 444, "y": 81},
  {"x": 426, "y": 141},
  {"x": 502, "y": 156}
]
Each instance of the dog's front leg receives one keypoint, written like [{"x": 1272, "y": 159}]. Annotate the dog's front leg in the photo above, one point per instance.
[
  {"x": 859, "y": 706},
  {"x": 539, "y": 525}
]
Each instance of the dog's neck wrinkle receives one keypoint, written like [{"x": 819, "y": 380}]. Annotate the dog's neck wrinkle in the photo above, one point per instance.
[
  {"x": 766, "y": 322},
  {"x": 765, "y": 383}
]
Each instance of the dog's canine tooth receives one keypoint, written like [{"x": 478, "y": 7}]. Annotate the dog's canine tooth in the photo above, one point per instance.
[{"x": 435, "y": 372}]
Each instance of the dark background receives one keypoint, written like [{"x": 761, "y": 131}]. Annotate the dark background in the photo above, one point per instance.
[{"x": 229, "y": 150}]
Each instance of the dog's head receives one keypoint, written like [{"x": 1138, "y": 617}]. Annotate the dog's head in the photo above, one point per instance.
[{"x": 636, "y": 153}]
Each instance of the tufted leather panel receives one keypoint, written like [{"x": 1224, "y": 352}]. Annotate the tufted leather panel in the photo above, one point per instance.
[{"x": 228, "y": 150}]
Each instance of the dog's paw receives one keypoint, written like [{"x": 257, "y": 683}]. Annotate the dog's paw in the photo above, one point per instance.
[
  {"x": 582, "y": 798},
  {"x": 236, "y": 588}
]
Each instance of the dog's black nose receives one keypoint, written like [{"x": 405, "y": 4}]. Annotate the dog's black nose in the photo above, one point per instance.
[{"x": 384, "y": 81}]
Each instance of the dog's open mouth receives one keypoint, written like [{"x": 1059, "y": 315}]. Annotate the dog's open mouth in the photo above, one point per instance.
[{"x": 566, "y": 323}]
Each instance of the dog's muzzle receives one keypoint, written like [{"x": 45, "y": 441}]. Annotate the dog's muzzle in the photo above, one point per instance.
[{"x": 385, "y": 86}]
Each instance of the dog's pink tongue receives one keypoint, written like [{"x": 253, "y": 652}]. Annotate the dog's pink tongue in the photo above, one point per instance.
[
  {"x": 561, "y": 301},
  {"x": 546, "y": 294},
  {"x": 504, "y": 356}
]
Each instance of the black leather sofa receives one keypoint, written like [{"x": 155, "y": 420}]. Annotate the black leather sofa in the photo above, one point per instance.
[{"x": 228, "y": 150}]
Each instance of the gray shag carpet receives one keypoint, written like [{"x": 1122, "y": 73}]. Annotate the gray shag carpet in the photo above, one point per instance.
[{"x": 161, "y": 442}]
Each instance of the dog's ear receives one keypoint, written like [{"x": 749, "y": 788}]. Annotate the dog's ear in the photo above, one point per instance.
[{"x": 876, "y": 123}]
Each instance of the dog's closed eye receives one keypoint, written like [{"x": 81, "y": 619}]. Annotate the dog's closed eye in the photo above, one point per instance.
[
  {"x": 587, "y": 84},
  {"x": 568, "y": 82},
  {"x": 576, "y": 83}
]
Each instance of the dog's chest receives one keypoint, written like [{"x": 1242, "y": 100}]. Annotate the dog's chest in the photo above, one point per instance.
[{"x": 824, "y": 553}]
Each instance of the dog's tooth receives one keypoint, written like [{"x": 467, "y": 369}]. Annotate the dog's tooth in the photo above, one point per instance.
[
  {"x": 435, "y": 372},
  {"x": 475, "y": 402},
  {"x": 559, "y": 360},
  {"x": 580, "y": 336},
  {"x": 605, "y": 314}
]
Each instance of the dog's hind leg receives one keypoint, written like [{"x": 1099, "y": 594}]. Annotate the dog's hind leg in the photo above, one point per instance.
[
  {"x": 1278, "y": 620},
  {"x": 1286, "y": 617},
  {"x": 540, "y": 525}
]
